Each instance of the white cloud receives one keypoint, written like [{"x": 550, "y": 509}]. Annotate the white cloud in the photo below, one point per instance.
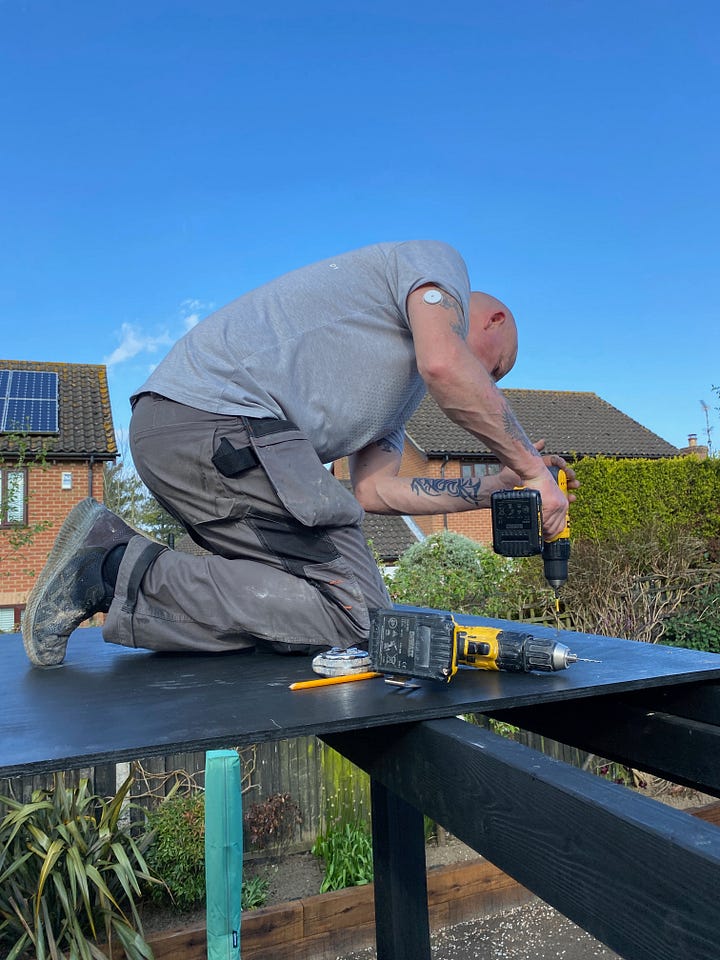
[
  {"x": 134, "y": 341},
  {"x": 192, "y": 311}
]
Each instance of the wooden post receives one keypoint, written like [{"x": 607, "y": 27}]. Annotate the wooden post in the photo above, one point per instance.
[{"x": 402, "y": 930}]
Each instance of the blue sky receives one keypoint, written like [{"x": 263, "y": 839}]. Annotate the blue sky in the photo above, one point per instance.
[{"x": 159, "y": 158}]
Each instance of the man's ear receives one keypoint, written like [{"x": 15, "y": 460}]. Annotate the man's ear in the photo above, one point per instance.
[{"x": 498, "y": 318}]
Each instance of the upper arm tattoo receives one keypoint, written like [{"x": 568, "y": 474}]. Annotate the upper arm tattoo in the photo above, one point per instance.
[
  {"x": 467, "y": 490},
  {"x": 457, "y": 321},
  {"x": 386, "y": 446}
]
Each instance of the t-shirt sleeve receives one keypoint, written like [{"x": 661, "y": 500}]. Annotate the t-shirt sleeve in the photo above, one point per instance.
[
  {"x": 417, "y": 262},
  {"x": 396, "y": 439}
]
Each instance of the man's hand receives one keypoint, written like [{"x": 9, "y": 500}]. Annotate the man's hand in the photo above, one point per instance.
[{"x": 554, "y": 502}]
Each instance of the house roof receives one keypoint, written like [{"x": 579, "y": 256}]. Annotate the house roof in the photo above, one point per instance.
[
  {"x": 388, "y": 536},
  {"x": 84, "y": 413},
  {"x": 573, "y": 424}
]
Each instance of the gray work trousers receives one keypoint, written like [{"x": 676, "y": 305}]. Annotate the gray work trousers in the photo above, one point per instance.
[{"x": 288, "y": 563}]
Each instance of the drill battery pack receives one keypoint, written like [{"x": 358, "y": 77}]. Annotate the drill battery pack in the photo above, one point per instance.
[
  {"x": 413, "y": 644},
  {"x": 517, "y": 522}
]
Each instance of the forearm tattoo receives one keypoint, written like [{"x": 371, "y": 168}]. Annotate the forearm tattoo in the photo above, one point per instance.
[
  {"x": 516, "y": 432},
  {"x": 467, "y": 490}
]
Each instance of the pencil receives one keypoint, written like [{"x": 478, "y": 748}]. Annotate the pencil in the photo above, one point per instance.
[{"x": 326, "y": 681}]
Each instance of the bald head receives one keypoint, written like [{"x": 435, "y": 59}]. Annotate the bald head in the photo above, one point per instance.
[{"x": 493, "y": 334}]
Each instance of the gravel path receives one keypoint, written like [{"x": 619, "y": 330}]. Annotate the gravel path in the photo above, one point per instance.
[{"x": 531, "y": 932}]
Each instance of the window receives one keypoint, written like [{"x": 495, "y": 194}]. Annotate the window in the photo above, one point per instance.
[
  {"x": 11, "y": 619},
  {"x": 13, "y": 500},
  {"x": 478, "y": 468}
]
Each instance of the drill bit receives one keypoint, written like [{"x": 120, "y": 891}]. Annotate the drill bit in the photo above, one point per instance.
[{"x": 574, "y": 658}]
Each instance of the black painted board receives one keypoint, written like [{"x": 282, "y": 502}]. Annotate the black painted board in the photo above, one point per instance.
[
  {"x": 107, "y": 702},
  {"x": 622, "y": 729},
  {"x": 640, "y": 876}
]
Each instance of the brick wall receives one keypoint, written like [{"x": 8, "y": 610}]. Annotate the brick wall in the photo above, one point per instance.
[
  {"x": 471, "y": 523},
  {"x": 48, "y": 504}
]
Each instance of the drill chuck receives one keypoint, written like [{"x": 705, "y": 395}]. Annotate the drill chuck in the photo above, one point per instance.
[{"x": 556, "y": 554}]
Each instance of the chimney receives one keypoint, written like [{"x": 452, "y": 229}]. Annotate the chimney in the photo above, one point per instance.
[{"x": 692, "y": 440}]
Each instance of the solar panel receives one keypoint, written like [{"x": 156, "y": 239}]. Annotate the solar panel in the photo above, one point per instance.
[{"x": 28, "y": 401}]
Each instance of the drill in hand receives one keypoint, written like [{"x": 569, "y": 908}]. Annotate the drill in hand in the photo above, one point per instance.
[{"x": 517, "y": 530}]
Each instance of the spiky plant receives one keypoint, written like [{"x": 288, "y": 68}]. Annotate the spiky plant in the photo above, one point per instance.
[{"x": 70, "y": 873}]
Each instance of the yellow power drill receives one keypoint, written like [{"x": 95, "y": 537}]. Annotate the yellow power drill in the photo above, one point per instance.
[
  {"x": 432, "y": 644},
  {"x": 517, "y": 530}
]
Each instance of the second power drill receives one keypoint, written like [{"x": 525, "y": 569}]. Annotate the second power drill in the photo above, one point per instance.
[{"x": 432, "y": 644}]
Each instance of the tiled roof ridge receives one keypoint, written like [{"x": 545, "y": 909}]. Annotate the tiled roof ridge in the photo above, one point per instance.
[
  {"x": 8, "y": 364},
  {"x": 573, "y": 422},
  {"x": 577, "y": 393}
]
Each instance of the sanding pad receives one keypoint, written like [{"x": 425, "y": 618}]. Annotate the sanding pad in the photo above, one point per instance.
[{"x": 337, "y": 662}]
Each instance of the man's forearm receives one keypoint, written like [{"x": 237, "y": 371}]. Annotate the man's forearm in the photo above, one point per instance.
[
  {"x": 472, "y": 401},
  {"x": 423, "y": 496}
]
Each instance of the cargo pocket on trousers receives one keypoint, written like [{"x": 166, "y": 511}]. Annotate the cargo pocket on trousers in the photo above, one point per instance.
[{"x": 308, "y": 491}]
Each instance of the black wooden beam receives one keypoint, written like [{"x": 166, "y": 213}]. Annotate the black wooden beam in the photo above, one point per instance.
[
  {"x": 623, "y": 729},
  {"x": 695, "y": 701},
  {"x": 639, "y": 876},
  {"x": 402, "y": 930}
]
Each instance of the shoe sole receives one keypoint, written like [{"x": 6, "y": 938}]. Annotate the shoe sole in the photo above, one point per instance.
[{"x": 76, "y": 527}]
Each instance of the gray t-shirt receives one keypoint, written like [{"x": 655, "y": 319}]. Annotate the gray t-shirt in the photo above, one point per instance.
[{"x": 327, "y": 346}]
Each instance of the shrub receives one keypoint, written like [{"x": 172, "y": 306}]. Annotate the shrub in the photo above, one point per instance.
[
  {"x": 697, "y": 624},
  {"x": 273, "y": 821},
  {"x": 617, "y": 496},
  {"x": 177, "y": 855},
  {"x": 450, "y": 572},
  {"x": 69, "y": 875},
  {"x": 177, "y": 851},
  {"x": 629, "y": 584}
]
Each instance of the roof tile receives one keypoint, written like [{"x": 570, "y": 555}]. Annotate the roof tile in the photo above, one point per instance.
[
  {"x": 84, "y": 412},
  {"x": 573, "y": 424}
]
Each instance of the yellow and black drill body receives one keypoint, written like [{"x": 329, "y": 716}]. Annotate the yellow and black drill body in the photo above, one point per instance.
[
  {"x": 518, "y": 532},
  {"x": 433, "y": 645}
]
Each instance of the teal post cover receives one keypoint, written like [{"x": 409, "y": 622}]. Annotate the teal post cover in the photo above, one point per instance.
[{"x": 223, "y": 853}]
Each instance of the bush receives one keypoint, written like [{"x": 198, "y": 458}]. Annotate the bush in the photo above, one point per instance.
[
  {"x": 697, "y": 624},
  {"x": 272, "y": 821},
  {"x": 450, "y": 572},
  {"x": 69, "y": 875},
  {"x": 629, "y": 584},
  {"x": 177, "y": 855},
  {"x": 177, "y": 851},
  {"x": 617, "y": 496}
]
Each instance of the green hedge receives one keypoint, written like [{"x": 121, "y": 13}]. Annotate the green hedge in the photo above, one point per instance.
[{"x": 617, "y": 496}]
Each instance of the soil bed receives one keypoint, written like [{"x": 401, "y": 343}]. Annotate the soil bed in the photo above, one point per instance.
[{"x": 533, "y": 930}]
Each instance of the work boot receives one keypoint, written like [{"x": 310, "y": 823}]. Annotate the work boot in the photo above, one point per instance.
[{"x": 73, "y": 584}]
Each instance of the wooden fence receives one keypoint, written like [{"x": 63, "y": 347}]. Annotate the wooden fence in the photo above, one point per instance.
[{"x": 322, "y": 783}]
